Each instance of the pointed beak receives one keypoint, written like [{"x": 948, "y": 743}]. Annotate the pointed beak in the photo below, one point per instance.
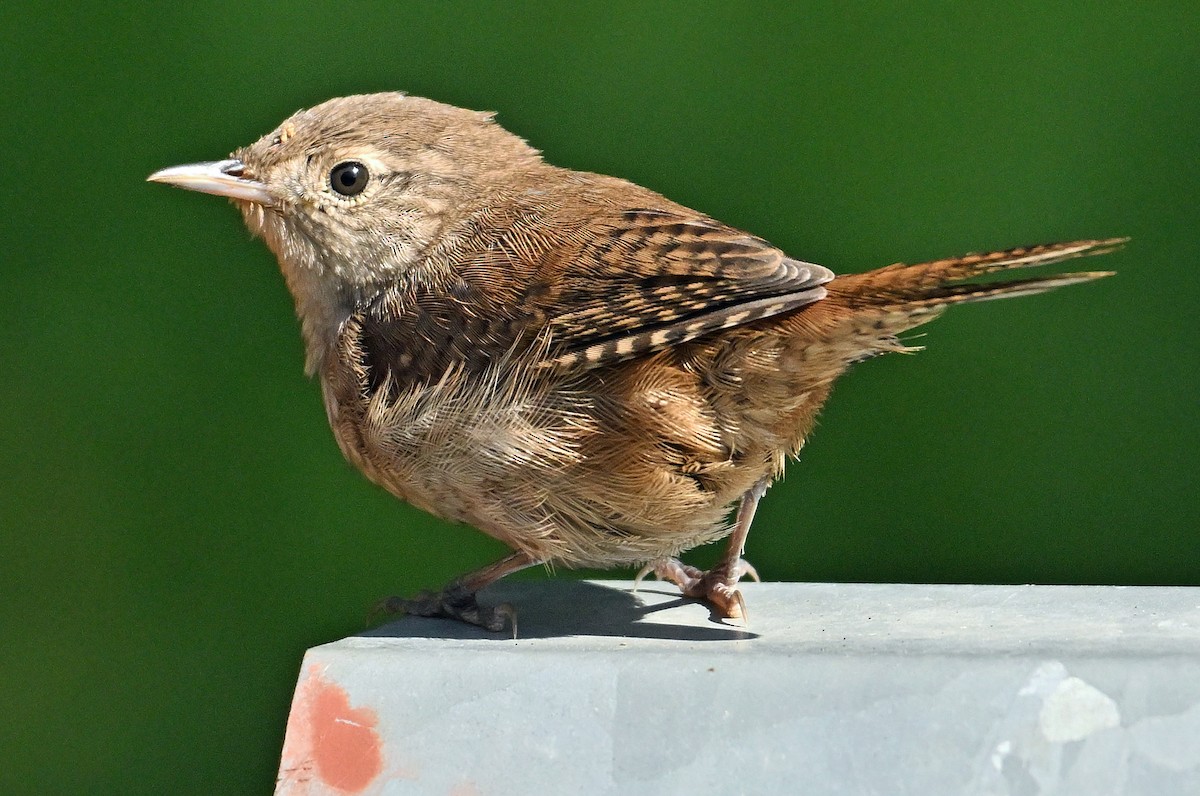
[{"x": 220, "y": 177}]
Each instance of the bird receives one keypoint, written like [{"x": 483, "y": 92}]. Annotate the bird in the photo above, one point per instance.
[{"x": 592, "y": 374}]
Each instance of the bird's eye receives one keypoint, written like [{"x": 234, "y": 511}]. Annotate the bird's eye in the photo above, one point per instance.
[{"x": 349, "y": 178}]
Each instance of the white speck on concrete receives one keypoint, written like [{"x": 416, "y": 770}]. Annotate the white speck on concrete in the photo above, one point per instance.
[
  {"x": 1075, "y": 710},
  {"x": 1003, "y": 750}
]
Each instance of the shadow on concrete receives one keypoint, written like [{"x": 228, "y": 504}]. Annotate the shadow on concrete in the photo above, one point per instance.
[{"x": 560, "y": 608}]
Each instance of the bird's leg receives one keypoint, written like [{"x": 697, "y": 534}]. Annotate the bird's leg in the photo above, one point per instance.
[
  {"x": 718, "y": 586},
  {"x": 457, "y": 599}
]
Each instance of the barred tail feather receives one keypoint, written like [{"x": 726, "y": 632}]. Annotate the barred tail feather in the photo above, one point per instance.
[{"x": 940, "y": 282}]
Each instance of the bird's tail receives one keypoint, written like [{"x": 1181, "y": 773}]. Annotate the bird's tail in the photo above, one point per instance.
[
  {"x": 877, "y": 305},
  {"x": 940, "y": 282}
]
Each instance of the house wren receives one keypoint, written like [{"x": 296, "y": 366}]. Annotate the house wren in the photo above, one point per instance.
[{"x": 585, "y": 370}]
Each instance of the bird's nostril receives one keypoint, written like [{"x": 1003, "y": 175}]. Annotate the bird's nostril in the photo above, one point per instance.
[{"x": 235, "y": 168}]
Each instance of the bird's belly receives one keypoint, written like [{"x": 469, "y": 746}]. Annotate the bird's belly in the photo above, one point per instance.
[{"x": 561, "y": 474}]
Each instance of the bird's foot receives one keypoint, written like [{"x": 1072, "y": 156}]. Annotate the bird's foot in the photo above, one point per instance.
[
  {"x": 452, "y": 602},
  {"x": 717, "y": 586}
]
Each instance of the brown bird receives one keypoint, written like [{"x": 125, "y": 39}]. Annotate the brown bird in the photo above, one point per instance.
[{"x": 577, "y": 366}]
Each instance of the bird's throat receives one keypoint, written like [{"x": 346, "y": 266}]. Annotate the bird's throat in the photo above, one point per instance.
[{"x": 323, "y": 301}]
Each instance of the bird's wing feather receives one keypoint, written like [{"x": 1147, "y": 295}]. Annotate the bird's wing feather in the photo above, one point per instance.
[
  {"x": 589, "y": 291},
  {"x": 647, "y": 279}
]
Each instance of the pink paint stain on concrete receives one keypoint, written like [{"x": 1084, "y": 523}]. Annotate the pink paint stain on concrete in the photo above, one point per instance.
[{"x": 330, "y": 745}]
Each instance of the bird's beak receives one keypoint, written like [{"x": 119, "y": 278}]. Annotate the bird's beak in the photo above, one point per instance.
[{"x": 220, "y": 177}]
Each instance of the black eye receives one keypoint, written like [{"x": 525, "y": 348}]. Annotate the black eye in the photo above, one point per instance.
[{"x": 349, "y": 178}]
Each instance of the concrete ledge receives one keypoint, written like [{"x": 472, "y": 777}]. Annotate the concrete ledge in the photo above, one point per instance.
[{"x": 833, "y": 688}]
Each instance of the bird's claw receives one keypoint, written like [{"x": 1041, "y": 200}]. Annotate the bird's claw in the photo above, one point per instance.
[
  {"x": 451, "y": 603},
  {"x": 717, "y": 587}
]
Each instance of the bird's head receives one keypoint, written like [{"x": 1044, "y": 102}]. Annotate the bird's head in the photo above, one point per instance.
[{"x": 352, "y": 194}]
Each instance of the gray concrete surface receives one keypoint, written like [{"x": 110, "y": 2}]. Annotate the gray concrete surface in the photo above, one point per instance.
[{"x": 831, "y": 689}]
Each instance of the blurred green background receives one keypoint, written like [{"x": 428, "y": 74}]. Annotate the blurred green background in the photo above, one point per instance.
[{"x": 178, "y": 525}]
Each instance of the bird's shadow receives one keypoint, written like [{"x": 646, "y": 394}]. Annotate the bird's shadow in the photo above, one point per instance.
[{"x": 560, "y": 608}]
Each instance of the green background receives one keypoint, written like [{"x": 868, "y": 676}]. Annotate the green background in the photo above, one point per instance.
[{"x": 177, "y": 525}]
